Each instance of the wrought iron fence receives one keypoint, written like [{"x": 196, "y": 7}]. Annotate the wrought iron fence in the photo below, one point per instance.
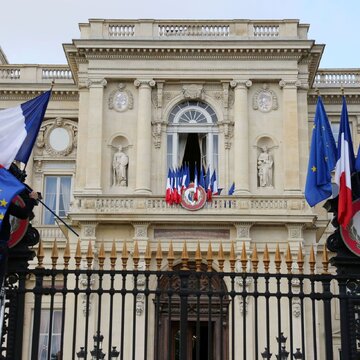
[{"x": 168, "y": 308}]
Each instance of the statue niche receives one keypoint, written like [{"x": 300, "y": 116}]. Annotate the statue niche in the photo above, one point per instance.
[
  {"x": 120, "y": 165},
  {"x": 265, "y": 164}
]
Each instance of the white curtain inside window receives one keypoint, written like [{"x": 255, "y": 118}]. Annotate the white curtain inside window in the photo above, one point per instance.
[
  {"x": 64, "y": 198},
  {"x": 50, "y": 199},
  {"x": 182, "y": 146}
]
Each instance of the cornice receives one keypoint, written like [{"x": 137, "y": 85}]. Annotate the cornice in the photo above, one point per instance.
[
  {"x": 24, "y": 95},
  {"x": 336, "y": 99}
]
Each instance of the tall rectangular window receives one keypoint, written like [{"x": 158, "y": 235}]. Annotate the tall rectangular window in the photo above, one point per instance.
[
  {"x": 47, "y": 333},
  {"x": 57, "y": 197}
]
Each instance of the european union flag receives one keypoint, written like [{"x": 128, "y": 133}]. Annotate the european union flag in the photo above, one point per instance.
[
  {"x": 9, "y": 188},
  {"x": 322, "y": 159}
]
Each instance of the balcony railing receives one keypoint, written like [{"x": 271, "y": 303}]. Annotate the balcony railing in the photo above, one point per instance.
[{"x": 337, "y": 77}]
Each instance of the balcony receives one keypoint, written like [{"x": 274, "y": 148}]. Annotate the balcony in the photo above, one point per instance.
[{"x": 329, "y": 78}]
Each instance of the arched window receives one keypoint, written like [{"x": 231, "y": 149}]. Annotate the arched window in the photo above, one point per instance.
[{"x": 192, "y": 136}]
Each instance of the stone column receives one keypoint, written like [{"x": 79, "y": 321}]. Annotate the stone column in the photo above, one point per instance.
[
  {"x": 143, "y": 139},
  {"x": 241, "y": 136},
  {"x": 291, "y": 135},
  {"x": 94, "y": 138}
]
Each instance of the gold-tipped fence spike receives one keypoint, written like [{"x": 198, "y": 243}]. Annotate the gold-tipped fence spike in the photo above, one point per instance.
[
  {"x": 243, "y": 258},
  {"x": 277, "y": 258},
  {"x": 198, "y": 258},
  {"x": 124, "y": 255},
  {"x": 147, "y": 256},
  {"x": 184, "y": 258},
  {"x": 89, "y": 255},
  {"x": 170, "y": 256},
  {"x": 136, "y": 256},
  {"x": 209, "y": 257},
  {"x": 54, "y": 254},
  {"x": 101, "y": 256},
  {"x": 288, "y": 259},
  {"x": 300, "y": 260},
  {"x": 266, "y": 259},
  {"x": 254, "y": 259},
  {"x": 78, "y": 255},
  {"x": 67, "y": 254},
  {"x": 113, "y": 255},
  {"x": 40, "y": 255},
  {"x": 158, "y": 256},
  {"x": 221, "y": 257},
  {"x": 325, "y": 260},
  {"x": 232, "y": 257},
  {"x": 312, "y": 261}
]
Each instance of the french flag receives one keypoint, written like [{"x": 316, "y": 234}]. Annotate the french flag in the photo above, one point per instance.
[
  {"x": 19, "y": 127},
  {"x": 168, "y": 188},
  {"x": 344, "y": 167}
]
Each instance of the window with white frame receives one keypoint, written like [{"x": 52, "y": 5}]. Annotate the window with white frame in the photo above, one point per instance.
[
  {"x": 50, "y": 334},
  {"x": 56, "y": 196},
  {"x": 192, "y": 136}
]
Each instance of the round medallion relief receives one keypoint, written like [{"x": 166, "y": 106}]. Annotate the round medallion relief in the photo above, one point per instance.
[
  {"x": 59, "y": 139},
  {"x": 121, "y": 101},
  {"x": 264, "y": 101}
]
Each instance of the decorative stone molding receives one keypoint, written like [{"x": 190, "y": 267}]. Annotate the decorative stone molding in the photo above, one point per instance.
[
  {"x": 121, "y": 99},
  {"x": 141, "y": 231},
  {"x": 225, "y": 95},
  {"x": 144, "y": 83},
  {"x": 88, "y": 230},
  {"x": 96, "y": 83},
  {"x": 156, "y": 133},
  {"x": 265, "y": 100},
  {"x": 228, "y": 134},
  {"x": 295, "y": 232},
  {"x": 57, "y": 136},
  {"x": 193, "y": 92},
  {"x": 289, "y": 84},
  {"x": 243, "y": 230},
  {"x": 240, "y": 84}
]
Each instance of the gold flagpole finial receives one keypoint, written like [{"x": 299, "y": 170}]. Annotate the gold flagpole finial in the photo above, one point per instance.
[
  {"x": 317, "y": 91},
  {"x": 52, "y": 84},
  {"x": 342, "y": 91}
]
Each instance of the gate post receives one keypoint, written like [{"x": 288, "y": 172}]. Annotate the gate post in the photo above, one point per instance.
[{"x": 184, "y": 284}]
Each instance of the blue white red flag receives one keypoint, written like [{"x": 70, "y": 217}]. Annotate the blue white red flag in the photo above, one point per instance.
[
  {"x": 201, "y": 178},
  {"x": 208, "y": 185},
  {"x": 196, "y": 185},
  {"x": 343, "y": 169},
  {"x": 214, "y": 185},
  {"x": 10, "y": 186},
  {"x": 168, "y": 188},
  {"x": 231, "y": 189},
  {"x": 19, "y": 127}
]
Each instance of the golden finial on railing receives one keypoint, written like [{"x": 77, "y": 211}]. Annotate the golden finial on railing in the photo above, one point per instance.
[
  {"x": 170, "y": 256},
  {"x": 147, "y": 256},
  {"x": 254, "y": 259},
  {"x": 277, "y": 259},
  {"x": 136, "y": 255},
  {"x": 300, "y": 260},
  {"x": 40, "y": 255},
  {"x": 67, "y": 255},
  {"x": 221, "y": 257},
  {"x": 325, "y": 260},
  {"x": 209, "y": 257},
  {"x": 54, "y": 254},
  {"x": 243, "y": 258},
  {"x": 198, "y": 258},
  {"x": 89, "y": 255},
  {"x": 288, "y": 259},
  {"x": 158, "y": 256},
  {"x": 266, "y": 259},
  {"x": 232, "y": 256},
  {"x": 184, "y": 258},
  {"x": 124, "y": 255},
  {"x": 312, "y": 261},
  {"x": 113, "y": 255},
  {"x": 101, "y": 256},
  {"x": 78, "y": 255}
]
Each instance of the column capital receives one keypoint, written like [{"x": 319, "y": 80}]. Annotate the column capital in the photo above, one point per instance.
[
  {"x": 144, "y": 83},
  {"x": 240, "y": 84},
  {"x": 96, "y": 83},
  {"x": 290, "y": 84}
]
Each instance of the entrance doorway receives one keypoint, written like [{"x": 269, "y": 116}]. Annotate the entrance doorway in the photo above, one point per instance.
[{"x": 192, "y": 154}]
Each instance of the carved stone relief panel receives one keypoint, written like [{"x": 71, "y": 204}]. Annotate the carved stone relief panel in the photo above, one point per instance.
[
  {"x": 121, "y": 99},
  {"x": 57, "y": 137},
  {"x": 193, "y": 91},
  {"x": 265, "y": 99}
]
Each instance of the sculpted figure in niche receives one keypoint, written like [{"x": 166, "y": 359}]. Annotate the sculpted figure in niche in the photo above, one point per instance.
[
  {"x": 120, "y": 164},
  {"x": 265, "y": 167}
]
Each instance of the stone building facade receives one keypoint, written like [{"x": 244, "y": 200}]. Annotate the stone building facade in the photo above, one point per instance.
[{"x": 138, "y": 95}]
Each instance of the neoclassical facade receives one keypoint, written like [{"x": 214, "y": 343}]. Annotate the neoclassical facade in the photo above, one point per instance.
[{"x": 138, "y": 97}]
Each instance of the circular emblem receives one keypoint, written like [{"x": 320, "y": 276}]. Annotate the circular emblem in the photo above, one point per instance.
[
  {"x": 264, "y": 101},
  {"x": 189, "y": 200},
  {"x": 351, "y": 234},
  {"x": 18, "y": 226},
  {"x": 121, "y": 101}
]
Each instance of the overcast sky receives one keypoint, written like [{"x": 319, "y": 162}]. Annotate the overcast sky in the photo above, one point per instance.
[{"x": 33, "y": 31}]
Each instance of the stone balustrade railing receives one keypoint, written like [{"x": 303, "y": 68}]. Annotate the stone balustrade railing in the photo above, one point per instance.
[
  {"x": 170, "y": 29},
  {"x": 337, "y": 77},
  {"x": 35, "y": 74}
]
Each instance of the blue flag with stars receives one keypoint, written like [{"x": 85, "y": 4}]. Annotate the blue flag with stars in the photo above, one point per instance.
[
  {"x": 10, "y": 186},
  {"x": 322, "y": 159}
]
